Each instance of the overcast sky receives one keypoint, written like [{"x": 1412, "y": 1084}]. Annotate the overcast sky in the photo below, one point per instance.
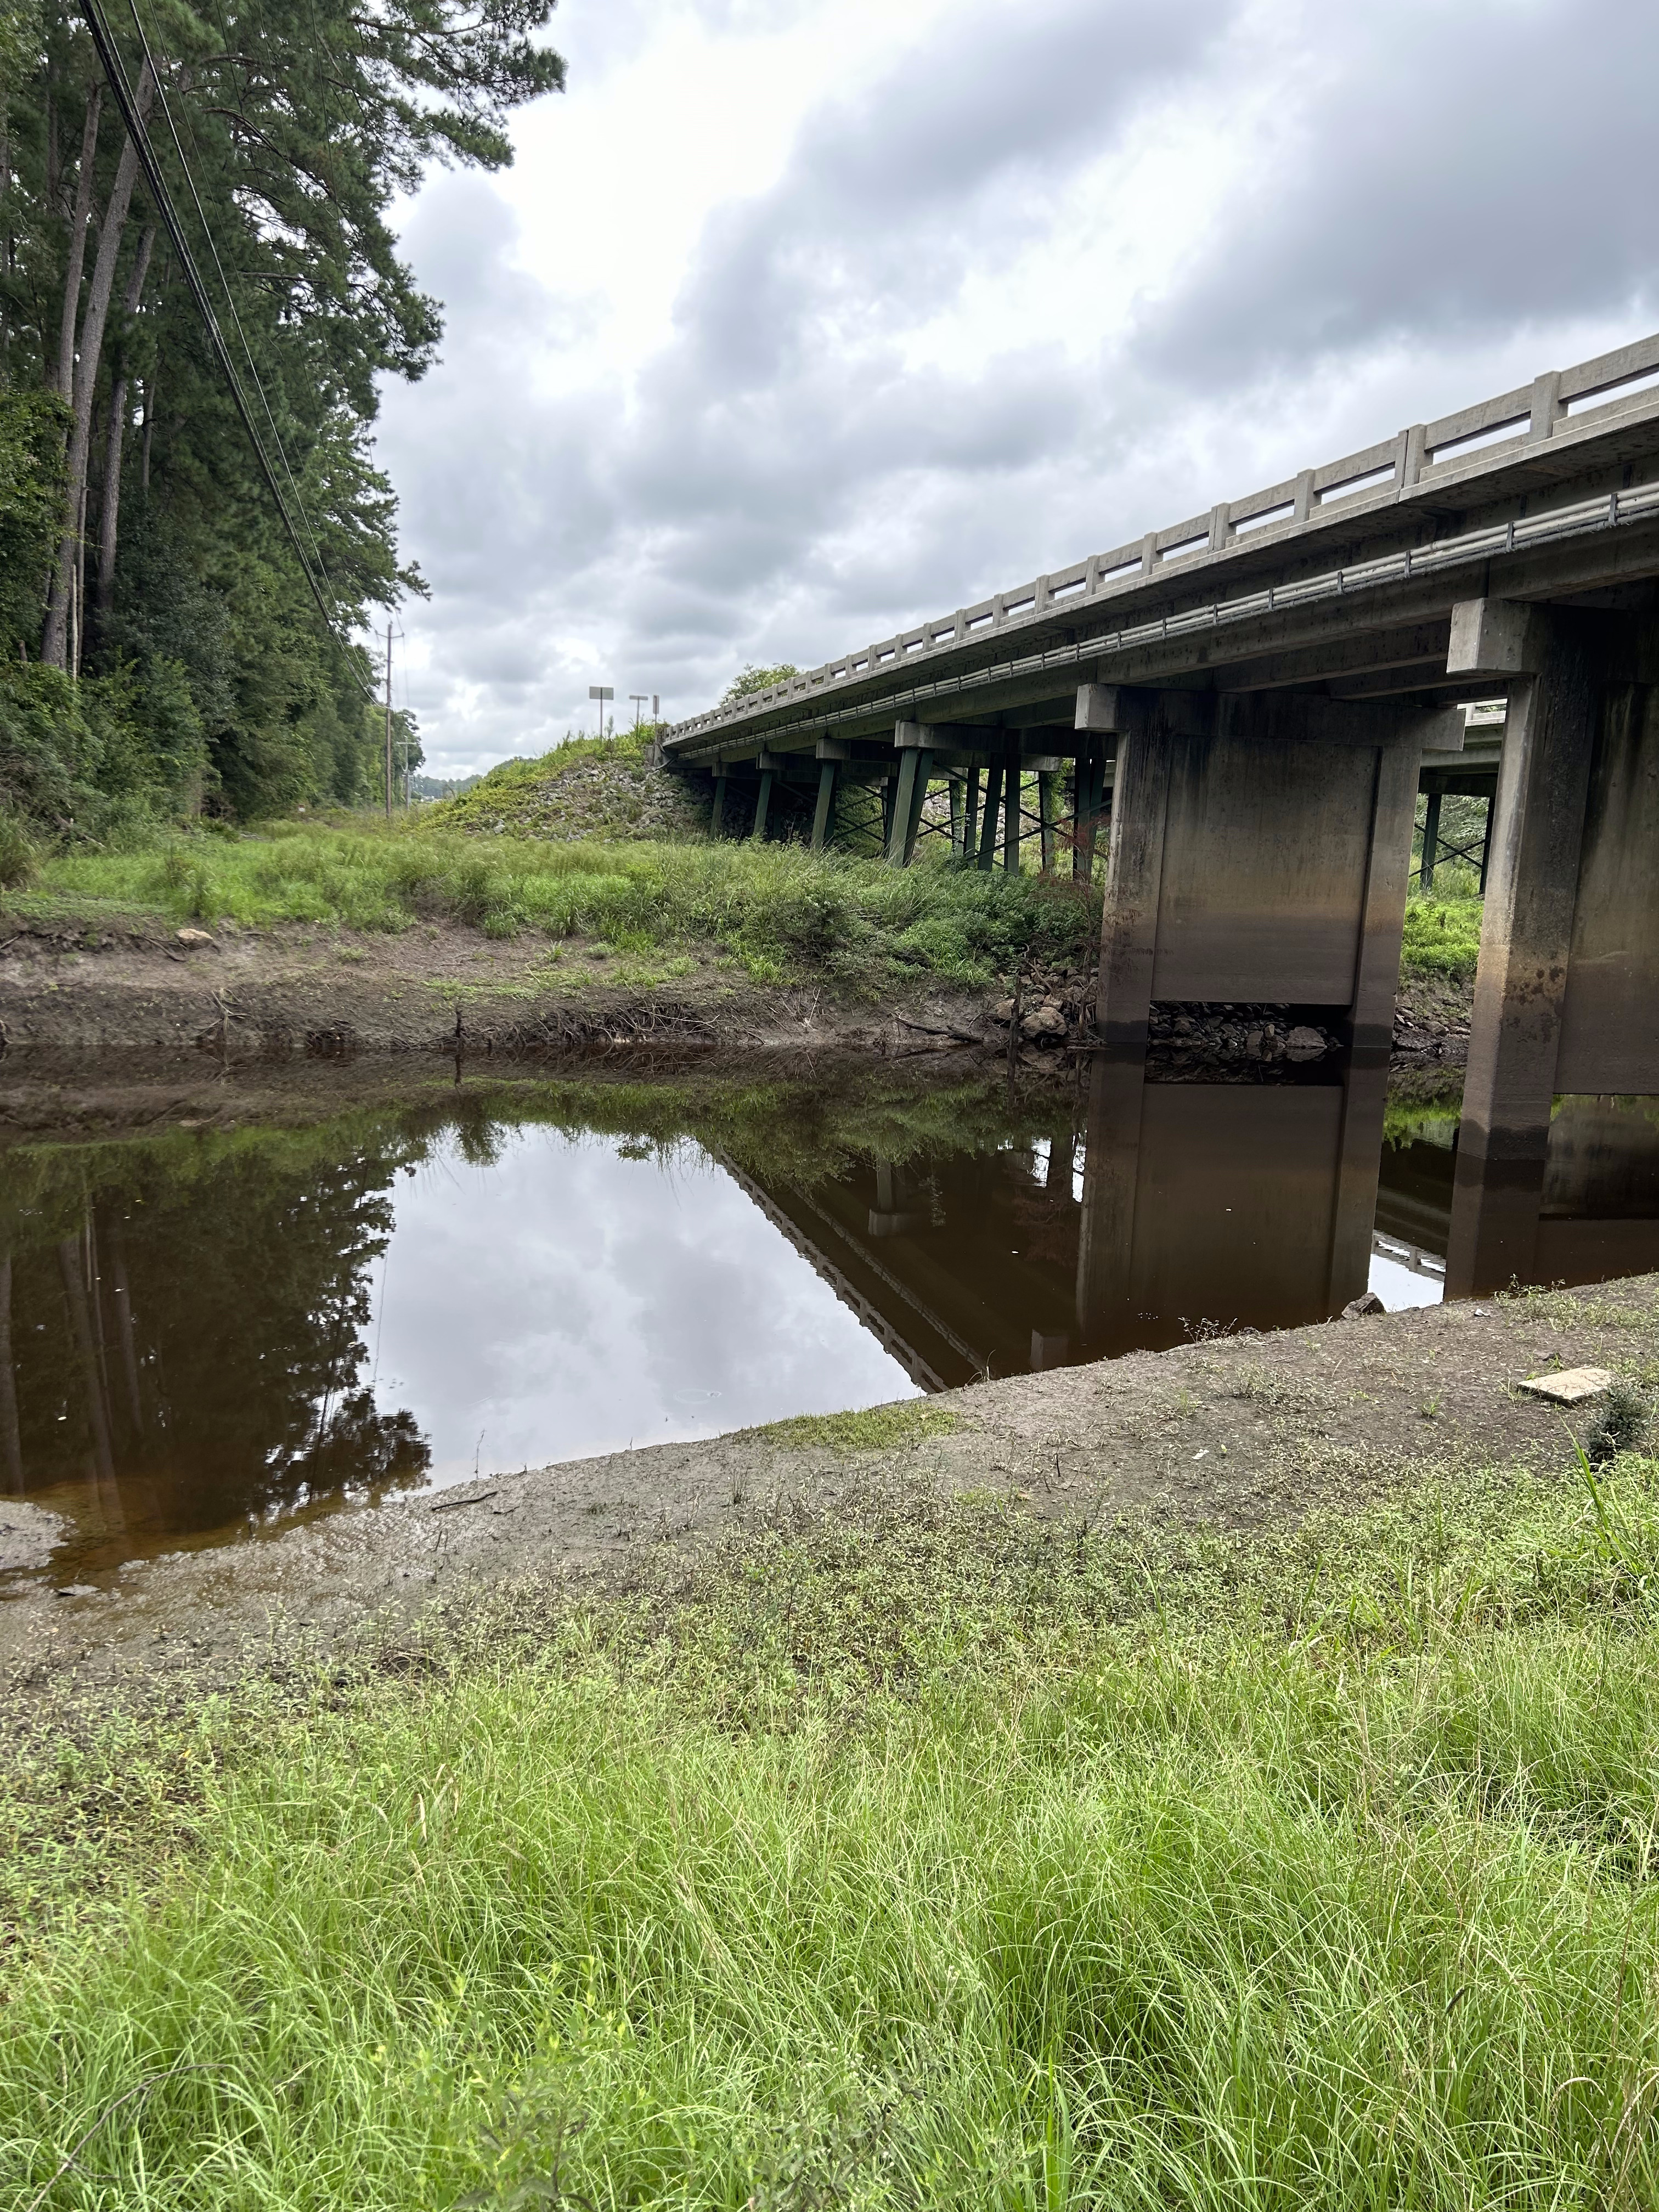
[{"x": 800, "y": 320}]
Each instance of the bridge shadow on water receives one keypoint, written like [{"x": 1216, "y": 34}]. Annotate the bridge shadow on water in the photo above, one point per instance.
[{"x": 206, "y": 1335}]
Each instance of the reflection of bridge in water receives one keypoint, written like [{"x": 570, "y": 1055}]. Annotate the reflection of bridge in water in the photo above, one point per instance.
[{"x": 1178, "y": 1207}]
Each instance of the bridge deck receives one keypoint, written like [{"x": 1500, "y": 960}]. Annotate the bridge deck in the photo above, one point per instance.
[{"x": 1343, "y": 576}]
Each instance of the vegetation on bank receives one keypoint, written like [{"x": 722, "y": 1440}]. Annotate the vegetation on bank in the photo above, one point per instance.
[
  {"x": 1442, "y": 927},
  {"x": 777, "y": 909},
  {"x": 606, "y": 787},
  {"x": 936, "y": 1857}
]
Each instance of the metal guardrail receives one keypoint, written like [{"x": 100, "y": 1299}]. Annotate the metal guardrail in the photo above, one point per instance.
[{"x": 1490, "y": 433}]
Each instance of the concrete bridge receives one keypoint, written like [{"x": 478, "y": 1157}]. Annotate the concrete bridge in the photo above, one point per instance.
[{"x": 1252, "y": 698}]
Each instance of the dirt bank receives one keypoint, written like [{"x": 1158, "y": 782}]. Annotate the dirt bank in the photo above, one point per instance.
[
  {"x": 73, "y": 990},
  {"x": 1238, "y": 1430}
]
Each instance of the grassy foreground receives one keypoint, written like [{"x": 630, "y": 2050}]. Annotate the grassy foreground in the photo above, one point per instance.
[{"x": 937, "y": 1859}]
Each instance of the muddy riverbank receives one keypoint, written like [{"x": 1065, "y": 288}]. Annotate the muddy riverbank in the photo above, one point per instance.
[
  {"x": 1236, "y": 1431},
  {"x": 73, "y": 992}
]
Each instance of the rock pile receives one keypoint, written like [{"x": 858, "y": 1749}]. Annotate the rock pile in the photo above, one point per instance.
[
  {"x": 620, "y": 798},
  {"x": 1265, "y": 1034},
  {"x": 1052, "y": 1002},
  {"x": 1056, "y": 1003}
]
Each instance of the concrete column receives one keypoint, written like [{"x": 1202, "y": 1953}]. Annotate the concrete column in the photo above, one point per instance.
[
  {"x": 1046, "y": 818},
  {"x": 762, "y": 800},
  {"x": 717, "y": 813},
  {"x": 1011, "y": 822},
  {"x": 924, "y": 760},
  {"x": 825, "y": 806},
  {"x": 889, "y": 794},
  {"x": 1431, "y": 837},
  {"x": 988, "y": 834},
  {"x": 970, "y": 817},
  {"x": 1526, "y": 934},
  {"x": 1088, "y": 787},
  {"x": 898, "y": 825},
  {"x": 955, "y": 793}
]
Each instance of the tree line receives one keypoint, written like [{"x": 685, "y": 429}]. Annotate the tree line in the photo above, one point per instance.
[{"x": 161, "y": 653}]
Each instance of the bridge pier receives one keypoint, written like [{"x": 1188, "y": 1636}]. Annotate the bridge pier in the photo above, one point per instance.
[
  {"x": 830, "y": 754},
  {"x": 763, "y": 797},
  {"x": 988, "y": 834},
  {"x": 1261, "y": 846},
  {"x": 1568, "y": 983}
]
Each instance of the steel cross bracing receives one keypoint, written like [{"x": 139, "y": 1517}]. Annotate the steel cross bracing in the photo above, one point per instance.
[{"x": 1422, "y": 465}]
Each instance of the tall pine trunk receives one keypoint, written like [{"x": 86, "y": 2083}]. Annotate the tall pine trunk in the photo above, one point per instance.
[
  {"x": 109, "y": 512},
  {"x": 62, "y": 382},
  {"x": 54, "y": 644}
]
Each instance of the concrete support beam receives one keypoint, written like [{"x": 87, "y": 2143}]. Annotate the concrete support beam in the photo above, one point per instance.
[
  {"x": 1046, "y": 817},
  {"x": 1011, "y": 822},
  {"x": 1087, "y": 805},
  {"x": 1430, "y": 838},
  {"x": 970, "y": 816},
  {"x": 988, "y": 834},
  {"x": 1493, "y": 637},
  {"x": 956, "y": 797},
  {"x": 924, "y": 761},
  {"x": 762, "y": 799},
  {"x": 717, "y": 812},
  {"x": 898, "y": 825},
  {"x": 825, "y": 808}
]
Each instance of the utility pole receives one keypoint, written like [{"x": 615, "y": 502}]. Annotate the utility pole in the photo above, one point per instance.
[{"x": 388, "y": 724}]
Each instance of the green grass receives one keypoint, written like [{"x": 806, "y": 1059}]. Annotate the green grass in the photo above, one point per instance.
[
  {"x": 1442, "y": 930},
  {"x": 778, "y": 909},
  {"x": 875, "y": 1428},
  {"x": 931, "y": 1857}
]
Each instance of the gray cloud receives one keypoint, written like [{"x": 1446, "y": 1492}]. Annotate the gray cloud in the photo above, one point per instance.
[
  {"x": 784, "y": 483},
  {"x": 1470, "y": 169}
]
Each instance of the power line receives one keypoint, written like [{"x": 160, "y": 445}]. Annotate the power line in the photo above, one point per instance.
[{"x": 115, "y": 73}]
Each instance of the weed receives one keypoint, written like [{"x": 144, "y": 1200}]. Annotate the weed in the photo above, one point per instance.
[{"x": 1623, "y": 1425}]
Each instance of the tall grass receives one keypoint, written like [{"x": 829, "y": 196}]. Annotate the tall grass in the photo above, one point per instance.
[
  {"x": 898, "y": 1868},
  {"x": 771, "y": 905}
]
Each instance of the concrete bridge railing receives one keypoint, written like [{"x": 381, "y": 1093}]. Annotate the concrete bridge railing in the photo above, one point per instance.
[{"x": 1425, "y": 461}]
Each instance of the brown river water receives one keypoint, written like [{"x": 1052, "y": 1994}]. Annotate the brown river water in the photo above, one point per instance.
[{"x": 206, "y": 1332}]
